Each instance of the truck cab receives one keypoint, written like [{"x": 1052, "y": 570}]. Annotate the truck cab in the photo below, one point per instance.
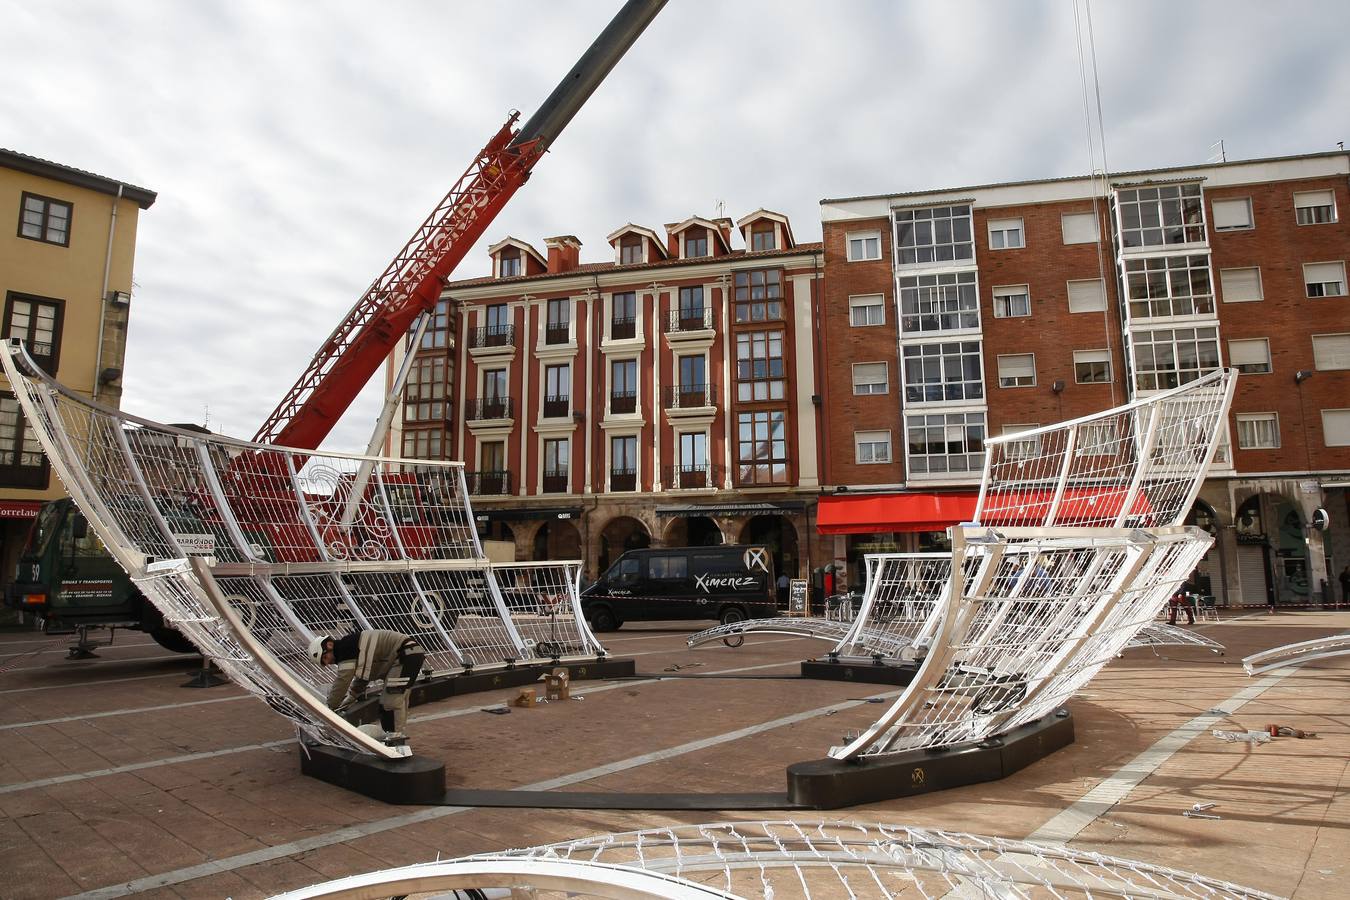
[
  {"x": 728, "y": 583},
  {"x": 69, "y": 580}
]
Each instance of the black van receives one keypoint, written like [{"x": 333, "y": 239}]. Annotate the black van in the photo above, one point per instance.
[{"x": 729, "y": 583}]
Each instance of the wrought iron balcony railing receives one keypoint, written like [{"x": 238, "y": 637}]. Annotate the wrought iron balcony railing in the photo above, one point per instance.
[
  {"x": 623, "y": 479},
  {"x": 704, "y": 475},
  {"x": 621, "y": 328},
  {"x": 557, "y": 407},
  {"x": 555, "y": 481},
  {"x": 683, "y": 320},
  {"x": 557, "y": 333},
  {"x": 492, "y": 336},
  {"x": 481, "y": 408},
  {"x": 623, "y": 402},
  {"x": 691, "y": 396},
  {"x": 489, "y": 482}
]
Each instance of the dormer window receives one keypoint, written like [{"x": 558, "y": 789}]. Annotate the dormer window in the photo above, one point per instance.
[
  {"x": 508, "y": 263},
  {"x": 762, "y": 236},
  {"x": 695, "y": 243},
  {"x": 630, "y": 249}
]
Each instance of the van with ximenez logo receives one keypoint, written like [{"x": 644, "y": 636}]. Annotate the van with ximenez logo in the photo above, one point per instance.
[{"x": 729, "y": 583}]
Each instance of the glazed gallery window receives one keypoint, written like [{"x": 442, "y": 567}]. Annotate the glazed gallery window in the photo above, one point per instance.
[
  {"x": 1258, "y": 431},
  {"x": 695, "y": 242},
  {"x": 870, "y": 447},
  {"x": 38, "y": 324},
  {"x": 759, "y": 366},
  {"x": 931, "y": 304},
  {"x": 945, "y": 372},
  {"x": 509, "y": 263},
  {"x": 862, "y": 247},
  {"x": 422, "y": 443},
  {"x": 22, "y": 462},
  {"x": 1250, "y": 356},
  {"x": 1012, "y": 301},
  {"x": 437, "y": 334},
  {"x": 945, "y": 443},
  {"x": 44, "y": 219},
  {"x": 1158, "y": 216},
  {"x": 1169, "y": 286},
  {"x": 1092, "y": 366},
  {"x": 761, "y": 447},
  {"x": 1170, "y": 357},
  {"x": 937, "y": 234},
  {"x": 759, "y": 295},
  {"x": 869, "y": 309},
  {"x": 1006, "y": 234},
  {"x": 424, "y": 398},
  {"x": 1324, "y": 279}
]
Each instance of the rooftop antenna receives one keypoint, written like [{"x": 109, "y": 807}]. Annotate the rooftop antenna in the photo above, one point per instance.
[
  {"x": 1221, "y": 156},
  {"x": 722, "y": 205}
]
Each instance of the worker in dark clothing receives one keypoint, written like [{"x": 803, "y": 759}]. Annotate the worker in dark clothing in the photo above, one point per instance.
[
  {"x": 365, "y": 656},
  {"x": 1183, "y": 599}
]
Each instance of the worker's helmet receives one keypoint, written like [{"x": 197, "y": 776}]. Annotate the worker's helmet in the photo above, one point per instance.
[{"x": 316, "y": 648}]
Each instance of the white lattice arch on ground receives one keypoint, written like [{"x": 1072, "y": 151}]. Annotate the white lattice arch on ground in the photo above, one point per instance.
[
  {"x": 1076, "y": 547},
  {"x": 1297, "y": 654},
  {"x": 790, "y": 859},
  {"x": 251, "y": 550}
]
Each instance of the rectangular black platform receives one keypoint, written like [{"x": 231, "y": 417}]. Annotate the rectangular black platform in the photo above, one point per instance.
[
  {"x": 832, "y": 784},
  {"x": 519, "y": 676},
  {"x": 863, "y": 671},
  {"x": 413, "y": 779}
]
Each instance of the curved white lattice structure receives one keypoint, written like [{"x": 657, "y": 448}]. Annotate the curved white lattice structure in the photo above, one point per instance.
[
  {"x": 1156, "y": 634},
  {"x": 1297, "y": 654},
  {"x": 1076, "y": 548},
  {"x": 251, "y": 550},
  {"x": 788, "y": 860}
]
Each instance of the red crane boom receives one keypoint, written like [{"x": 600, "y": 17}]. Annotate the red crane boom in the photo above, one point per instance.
[{"x": 412, "y": 282}]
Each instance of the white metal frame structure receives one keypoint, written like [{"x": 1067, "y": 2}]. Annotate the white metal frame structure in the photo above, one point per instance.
[
  {"x": 1297, "y": 654},
  {"x": 1157, "y": 634},
  {"x": 1076, "y": 547},
  {"x": 785, "y": 859},
  {"x": 251, "y": 550}
]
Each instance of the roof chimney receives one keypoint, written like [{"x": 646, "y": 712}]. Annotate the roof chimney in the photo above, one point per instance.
[{"x": 564, "y": 253}]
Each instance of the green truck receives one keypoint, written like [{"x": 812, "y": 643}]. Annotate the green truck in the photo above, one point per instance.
[{"x": 69, "y": 580}]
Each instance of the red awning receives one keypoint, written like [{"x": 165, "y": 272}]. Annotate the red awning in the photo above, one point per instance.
[
  {"x": 882, "y": 513},
  {"x": 1078, "y": 506}
]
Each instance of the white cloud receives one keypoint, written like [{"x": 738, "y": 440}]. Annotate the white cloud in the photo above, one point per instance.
[{"x": 296, "y": 146}]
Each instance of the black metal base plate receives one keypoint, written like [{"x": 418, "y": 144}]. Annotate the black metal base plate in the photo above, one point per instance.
[
  {"x": 864, "y": 671},
  {"x": 519, "y": 676},
  {"x": 831, "y": 784},
  {"x": 413, "y": 779}
]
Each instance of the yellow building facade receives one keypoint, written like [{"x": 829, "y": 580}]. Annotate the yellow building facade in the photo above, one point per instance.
[{"x": 65, "y": 282}]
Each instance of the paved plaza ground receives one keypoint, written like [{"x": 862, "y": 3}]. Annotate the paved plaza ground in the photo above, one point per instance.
[{"x": 115, "y": 780}]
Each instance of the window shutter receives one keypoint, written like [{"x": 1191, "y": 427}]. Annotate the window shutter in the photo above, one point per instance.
[
  {"x": 1320, "y": 273},
  {"x": 1091, "y": 356},
  {"x": 1249, "y": 353},
  {"x": 1336, "y": 427},
  {"x": 1241, "y": 284},
  {"x": 1331, "y": 351},
  {"x": 1079, "y": 228},
  {"x": 1313, "y": 198},
  {"x": 1087, "y": 296},
  {"x": 869, "y": 373},
  {"x": 1232, "y": 213},
  {"x": 1022, "y": 365}
]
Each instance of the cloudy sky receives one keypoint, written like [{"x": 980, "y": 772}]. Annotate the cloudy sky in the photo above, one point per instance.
[{"x": 295, "y": 146}]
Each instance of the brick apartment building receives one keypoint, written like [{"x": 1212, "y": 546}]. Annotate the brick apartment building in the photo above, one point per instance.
[
  {"x": 950, "y": 315},
  {"x": 664, "y": 397}
]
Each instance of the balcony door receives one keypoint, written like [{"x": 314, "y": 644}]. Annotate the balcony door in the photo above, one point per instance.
[{"x": 694, "y": 460}]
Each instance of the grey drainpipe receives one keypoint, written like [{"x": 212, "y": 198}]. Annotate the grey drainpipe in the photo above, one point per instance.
[{"x": 103, "y": 297}]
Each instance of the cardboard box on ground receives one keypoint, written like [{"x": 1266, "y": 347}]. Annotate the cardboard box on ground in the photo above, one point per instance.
[{"x": 557, "y": 686}]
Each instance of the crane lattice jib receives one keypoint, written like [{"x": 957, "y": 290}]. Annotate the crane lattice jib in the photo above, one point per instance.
[{"x": 410, "y": 285}]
